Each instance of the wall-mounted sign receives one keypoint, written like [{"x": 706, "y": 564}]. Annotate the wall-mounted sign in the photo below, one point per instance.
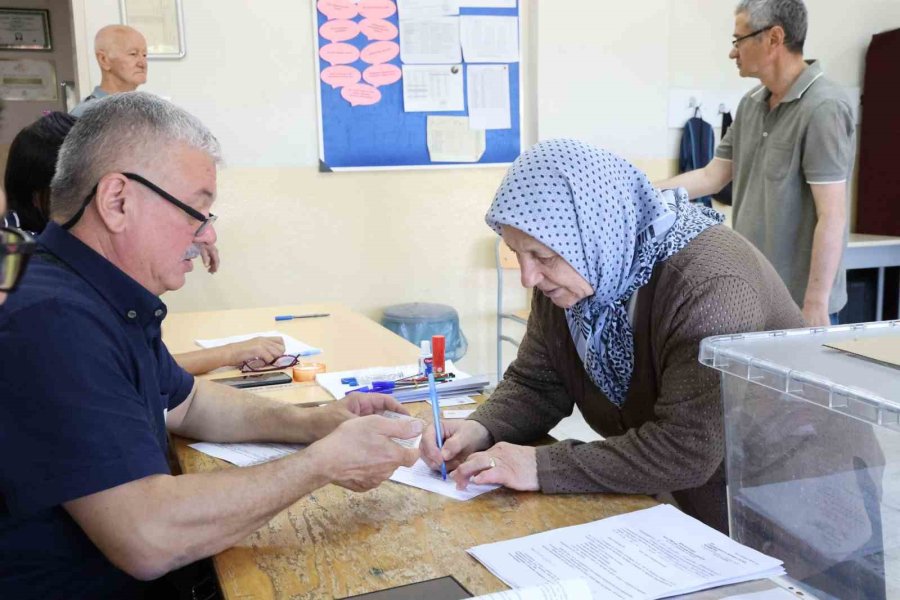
[
  {"x": 25, "y": 29},
  {"x": 27, "y": 80}
]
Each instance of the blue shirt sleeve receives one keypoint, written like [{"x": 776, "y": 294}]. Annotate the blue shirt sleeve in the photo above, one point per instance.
[
  {"x": 176, "y": 381},
  {"x": 86, "y": 419}
]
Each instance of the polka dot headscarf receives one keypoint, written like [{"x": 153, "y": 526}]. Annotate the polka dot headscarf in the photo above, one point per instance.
[{"x": 604, "y": 217}]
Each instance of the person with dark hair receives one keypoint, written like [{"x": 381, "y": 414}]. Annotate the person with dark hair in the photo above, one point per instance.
[
  {"x": 789, "y": 155},
  {"x": 29, "y": 170},
  {"x": 30, "y": 167}
]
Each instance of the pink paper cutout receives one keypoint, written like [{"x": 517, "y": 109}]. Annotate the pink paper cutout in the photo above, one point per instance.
[
  {"x": 378, "y": 29},
  {"x": 376, "y": 9},
  {"x": 380, "y": 52},
  {"x": 339, "y": 54},
  {"x": 340, "y": 75},
  {"x": 339, "y": 30},
  {"x": 360, "y": 94},
  {"x": 385, "y": 74},
  {"x": 337, "y": 9}
]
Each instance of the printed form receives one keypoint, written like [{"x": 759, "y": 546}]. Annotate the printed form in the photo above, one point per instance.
[{"x": 642, "y": 555}]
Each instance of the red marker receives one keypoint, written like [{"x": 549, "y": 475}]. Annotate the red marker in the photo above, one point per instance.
[{"x": 437, "y": 353}]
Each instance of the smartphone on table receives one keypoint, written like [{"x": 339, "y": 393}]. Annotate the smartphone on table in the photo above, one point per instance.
[{"x": 255, "y": 379}]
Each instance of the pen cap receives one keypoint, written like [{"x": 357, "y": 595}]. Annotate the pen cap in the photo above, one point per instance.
[{"x": 438, "y": 343}]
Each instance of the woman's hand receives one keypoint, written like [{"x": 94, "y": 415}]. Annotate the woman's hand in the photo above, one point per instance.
[
  {"x": 509, "y": 465},
  {"x": 461, "y": 438}
]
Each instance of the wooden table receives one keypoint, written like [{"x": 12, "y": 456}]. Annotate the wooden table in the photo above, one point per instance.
[{"x": 335, "y": 543}]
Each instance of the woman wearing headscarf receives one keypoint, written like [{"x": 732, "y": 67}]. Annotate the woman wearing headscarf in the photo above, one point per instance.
[{"x": 629, "y": 279}]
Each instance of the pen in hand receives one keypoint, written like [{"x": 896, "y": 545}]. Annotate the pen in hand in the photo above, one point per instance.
[
  {"x": 309, "y": 316},
  {"x": 436, "y": 411}
]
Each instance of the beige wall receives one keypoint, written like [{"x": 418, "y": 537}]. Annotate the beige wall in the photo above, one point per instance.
[{"x": 599, "y": 71}]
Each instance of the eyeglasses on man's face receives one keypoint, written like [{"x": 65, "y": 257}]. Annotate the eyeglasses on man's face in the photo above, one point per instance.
[
  {"x": 736, "y": 41},
  {"x": 16, "y": 247},
  {"x": 205, "y": 222}
]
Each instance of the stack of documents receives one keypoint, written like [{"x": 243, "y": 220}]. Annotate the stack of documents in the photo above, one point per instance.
[
  {"x": 461, "y": 384},
  {"x": 646, "y": 554}
]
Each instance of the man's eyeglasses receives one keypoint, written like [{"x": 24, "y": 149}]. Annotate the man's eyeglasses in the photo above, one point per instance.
[
  {"x": 258, "y": 365},
  {"x": 205, "y": 222},
  {"x": 737, "y": 41},
  {"x": 16, "y": 247}
]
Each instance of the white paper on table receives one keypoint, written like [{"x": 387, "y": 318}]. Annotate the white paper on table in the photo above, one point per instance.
[
  {"x": 453, "y": 401},
  {"x": 463, "y": 413},
  {"x": 291, "y": 345},
  {"x": 420, "y": 476},
  {"x": 450, "y": 139},
  {"x": 247, "y": 455},
  {"x": 430, "y": 41},
  {"x": 489, "y": 39},
  {"x": 488, "y": 95},
  {"x": 364, "y": 377},
  {"x": 430, "y": 88},
  {"x": 570, "y": 589},
  {"x": 487, "y": 3},
  {"x": 773, "y": 594},
  {"x": 424, "y": 9},
  {"x": 645, "y": 554}
]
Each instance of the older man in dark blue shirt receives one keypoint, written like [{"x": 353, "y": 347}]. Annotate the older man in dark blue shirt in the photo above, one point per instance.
[{"x": 87, "y": 503}]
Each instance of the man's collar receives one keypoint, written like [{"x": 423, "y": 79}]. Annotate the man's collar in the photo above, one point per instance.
[
  {"x": 133, "y": 302},
  {"x": 803, "y": 82}
]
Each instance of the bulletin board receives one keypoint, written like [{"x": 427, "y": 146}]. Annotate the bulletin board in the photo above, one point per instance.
[{"x": 362, "y": 121}]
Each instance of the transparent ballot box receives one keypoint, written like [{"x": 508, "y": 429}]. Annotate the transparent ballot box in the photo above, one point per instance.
[{"x": 813, "y": 452}]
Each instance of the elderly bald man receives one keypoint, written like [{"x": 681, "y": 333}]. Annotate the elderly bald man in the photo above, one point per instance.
[{"x": 121, "y": 52}]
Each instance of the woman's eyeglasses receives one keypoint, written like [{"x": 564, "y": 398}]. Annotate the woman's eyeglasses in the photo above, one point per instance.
[
  {"x": 16, "y": 247},
  {"x": 258, "y": 365}
]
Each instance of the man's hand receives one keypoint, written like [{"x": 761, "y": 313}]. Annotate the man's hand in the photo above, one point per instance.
[
  {"x": 210, "y": 255},
  {"x": 461, "y": 438},
  {"x": 509, "y": 465},
  {"x": 263, "y": 348},
  {"x": 360, "y": 453},
  {"x": 816, "y": 314},
  {"x": 362, "y": 404}
]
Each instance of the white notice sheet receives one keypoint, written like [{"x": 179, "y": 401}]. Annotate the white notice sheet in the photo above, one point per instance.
[
  {"x": 420, "y": 476},
  {"x": 449, "y": 139},
  {"x": 422, "y": 9},
  {"x": 487, "y": 3},
  {"x": 430, "y": 88},
  {"x": 488, "y": 94},
  {"x": 430, "y": 41},
  {"x": 642, "y": 555},
  {"x": 489, "y": 39}
]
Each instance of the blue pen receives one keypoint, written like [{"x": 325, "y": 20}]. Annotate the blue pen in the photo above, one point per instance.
[
  {"x": 436, "y": 411},
  {"x": 309, "y": 316}
]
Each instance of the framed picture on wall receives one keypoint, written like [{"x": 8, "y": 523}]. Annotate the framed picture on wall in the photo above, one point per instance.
[
  {"x": 25, "y": 29},
  {"x": 161, "y": 22},
  {"x": 30, "y": 80}
]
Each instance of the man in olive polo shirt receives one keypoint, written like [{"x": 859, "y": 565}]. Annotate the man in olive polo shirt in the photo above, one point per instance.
[{"x": 790, "y": 154}]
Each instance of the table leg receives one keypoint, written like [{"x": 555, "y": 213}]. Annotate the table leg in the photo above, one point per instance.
[{"x": 879, "y": 303}]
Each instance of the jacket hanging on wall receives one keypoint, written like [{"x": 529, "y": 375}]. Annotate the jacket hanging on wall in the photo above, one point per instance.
[
  {"x": 724, "y": 196},
  {"x": 697, "y": 147}
]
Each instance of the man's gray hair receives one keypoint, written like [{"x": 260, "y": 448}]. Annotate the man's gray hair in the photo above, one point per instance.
[
  {"x": 121, "y": 132},
  {"x": 790, "y": 15}
]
